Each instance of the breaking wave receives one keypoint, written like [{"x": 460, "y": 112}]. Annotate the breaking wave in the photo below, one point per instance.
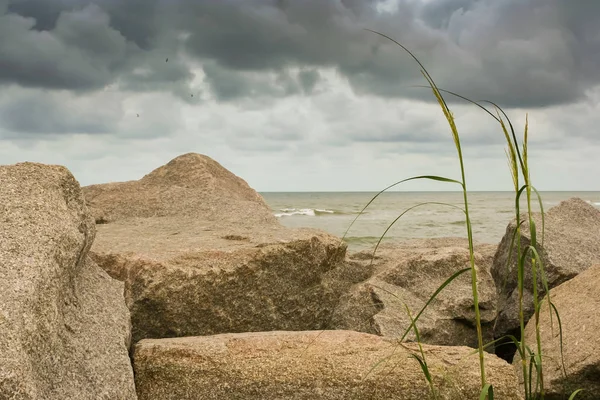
[{"x": 310, "y": 212}]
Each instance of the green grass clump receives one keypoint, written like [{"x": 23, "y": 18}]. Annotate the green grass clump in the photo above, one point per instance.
[{"x": 532, "y": 360}]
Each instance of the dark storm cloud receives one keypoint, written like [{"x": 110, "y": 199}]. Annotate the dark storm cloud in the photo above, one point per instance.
[
  {"x": 517, "y": 52},
  {"x": 227, "y": 84},
  {"x": 86, "y": 45},
  {"x": 81, "y": 52},
  {"x": 137, "y": 20},
  {"x": 30, "y": 114}
]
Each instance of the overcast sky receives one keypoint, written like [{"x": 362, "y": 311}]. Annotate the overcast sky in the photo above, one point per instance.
[{"x": 295, "y": 95}]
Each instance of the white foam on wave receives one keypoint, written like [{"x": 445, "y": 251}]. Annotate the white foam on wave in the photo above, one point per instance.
[
  {"x": 310, "y": 212},
  {"x": 595, "y": 203},
  {"x": 318, "y": 210}
]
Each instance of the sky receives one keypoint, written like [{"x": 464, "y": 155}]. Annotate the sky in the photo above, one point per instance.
[{"x": 297, "y": 95}]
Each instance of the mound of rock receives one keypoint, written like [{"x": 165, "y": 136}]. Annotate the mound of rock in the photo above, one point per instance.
[
  {"x": 64, "y": 326},
  {"x": 191, "y": 185},
  {"x": 571, "y": 244},
  {"x": 199, "y": 276},
  {"x": 578, "y": 304},
  {"x": 407, "y": 275},
  {"x": 308, "y": 365}
]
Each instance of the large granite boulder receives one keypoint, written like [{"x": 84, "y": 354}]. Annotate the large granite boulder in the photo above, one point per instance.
[
  {"x": 190, "y": 274},
  {"x": 310, "y": 365},
  {"x": 181, "y": 280},
  {"x": 191, "y": 185},
  {"x": 64, "y": 326},
  {"x": 578, "y": 304},
  {"x": 407, "y": 274},
  {"x": 571, "y": 244}
]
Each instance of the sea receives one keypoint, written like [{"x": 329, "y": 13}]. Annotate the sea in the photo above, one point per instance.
[{"x": 334, "y": 212}]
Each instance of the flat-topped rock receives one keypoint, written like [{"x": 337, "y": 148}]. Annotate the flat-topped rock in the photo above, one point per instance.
[
  {"x": 310, "y": 365},
  {"x": 191, "y": 185},
  {"x": 407, "y": 274},
  {"x": 571, "y": 244},
  {"x": 64, "y": 326},
  {"x": 184, "y": 278}
]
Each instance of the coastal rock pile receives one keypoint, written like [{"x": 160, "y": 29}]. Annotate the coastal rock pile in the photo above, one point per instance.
[
  {"x": 189, "y": 271},
  {"x": 186, "y": 274}
]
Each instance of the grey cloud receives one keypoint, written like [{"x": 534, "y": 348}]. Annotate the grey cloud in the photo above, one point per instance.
[
  {"x": 137, "y": 20},
  {"x": 437, "y": 14},
  {"x": 397, "y": 132},
  {"x": 82, "y": 45},
  {"x": 227, "y": 84},
  {"x": 154, "y": 74},
  {"x": 28, "y": 114},
  {"x": 81, "y": 53},
  {"x": 44, "y": 13},
  {"x": 519, "y": 53},
  {"x": 308, "y": 79}
]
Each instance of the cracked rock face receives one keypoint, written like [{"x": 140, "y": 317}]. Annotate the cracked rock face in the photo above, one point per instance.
[
  {"x": 570, "y": 244},
  {"x": 198, "y": 283},
  {"x": 406, "y": 275}
]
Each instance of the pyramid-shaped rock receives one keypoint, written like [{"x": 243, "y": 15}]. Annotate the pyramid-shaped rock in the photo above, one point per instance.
[{"x": 191, "y": 185}]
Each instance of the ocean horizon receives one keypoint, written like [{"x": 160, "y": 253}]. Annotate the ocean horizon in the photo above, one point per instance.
[{"x": 333, "y": 212}]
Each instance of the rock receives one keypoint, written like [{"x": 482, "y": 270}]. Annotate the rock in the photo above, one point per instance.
[
  {"x": 309, "y": 365},
  {"x": 571, "y": 244},
  {"x": 191, "y": 185},
  {"x": 578, "y": 304},
  {"x": 409, "y": 274},
  {"x": 183, "y": 280},
  {"x": 64, "y": 326},
  {"x": 205, "y": 275}
]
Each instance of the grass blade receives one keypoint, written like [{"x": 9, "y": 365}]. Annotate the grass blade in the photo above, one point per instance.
[
  {"x": 487, "y": 392},
  {"x": 575, "y": 393},
  {"x": 439, "y": 289},
  {"x": 427, "y": 177},
  {"x": 423, "y": 366},
  {"x": 560, "y": 338},
  {"x": 402, "y": 214}
]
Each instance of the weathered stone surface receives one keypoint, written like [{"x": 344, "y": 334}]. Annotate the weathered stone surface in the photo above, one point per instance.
[
  {"x": 183, "y": 280},
  {"x": 191, "y": 185},
  {"x": 309, "y": 365},
  {"x": 64, "y": 326},
  {"x": 204, "y": 275},
  {"x": 578, "y": 304},
  {"x": 571, "y": 244},
  {"x": 408, "y": 274}
]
